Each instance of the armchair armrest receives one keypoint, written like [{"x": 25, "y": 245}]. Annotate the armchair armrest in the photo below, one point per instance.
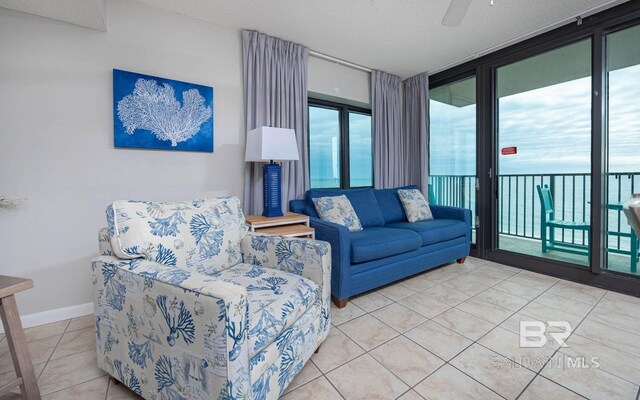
[
  {"x": 339, "y": 238},
  {"x": 154, "y": 319},
  {"x": 304, "y": 257}
]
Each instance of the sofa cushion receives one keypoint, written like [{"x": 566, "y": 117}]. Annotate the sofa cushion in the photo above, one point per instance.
[
  {"x": 390, "y": 204},
  {"x": 415, "y": 205},
  {"x": 200, "y": 235},
  {"x": 362, "y": 200},
  {"x": 276, "y": 300},
  {"x": 338, "y": 209},
  {"x": 435, "y": 230},
  {"x": 379, "y": 242}
]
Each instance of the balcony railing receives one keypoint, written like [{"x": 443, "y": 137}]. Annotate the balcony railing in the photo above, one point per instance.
[{"x": 519, "y": 205}]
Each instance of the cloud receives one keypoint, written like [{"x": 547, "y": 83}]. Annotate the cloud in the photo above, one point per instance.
[{"x": 551, "y": 127}]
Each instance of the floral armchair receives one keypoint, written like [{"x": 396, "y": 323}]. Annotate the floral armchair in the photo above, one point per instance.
[{"x": 190, "y": 306}]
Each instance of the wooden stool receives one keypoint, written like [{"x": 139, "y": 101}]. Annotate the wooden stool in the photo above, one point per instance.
[{"x": 26, "y": 378}]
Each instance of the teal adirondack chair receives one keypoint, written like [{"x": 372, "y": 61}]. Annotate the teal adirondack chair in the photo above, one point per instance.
[
  {"x": 432, "y": 195},
  {"x": 549, "y": 223}
]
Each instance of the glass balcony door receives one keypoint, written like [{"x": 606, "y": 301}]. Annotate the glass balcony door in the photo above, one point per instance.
[
  {"x": 623, "y": 137},
  {"x": 544, "y": 154},
  {"x": 452, "y": 155}
]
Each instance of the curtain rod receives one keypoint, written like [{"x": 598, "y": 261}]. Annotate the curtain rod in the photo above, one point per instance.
[{"x": 339, "y": 61}]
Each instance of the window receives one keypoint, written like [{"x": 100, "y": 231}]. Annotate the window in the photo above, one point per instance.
[
  {"x": 452, "y": 150},
  {"x": 544, "y": 139},
  {"x": 558, "y": 138},
  {"x": 623, "y": 178},
  {"x": 340, "y": 145}
]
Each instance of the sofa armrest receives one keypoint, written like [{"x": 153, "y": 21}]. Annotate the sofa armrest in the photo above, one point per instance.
[
  {"x": 457, "y": 213},
  {"x": 446, "y": 212},
  {"x": 339, "y": 238},
  {"x": 152, "y": 319}
]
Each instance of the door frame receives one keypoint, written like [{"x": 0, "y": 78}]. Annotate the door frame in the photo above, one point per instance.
[{"x": 594, "y": 27}]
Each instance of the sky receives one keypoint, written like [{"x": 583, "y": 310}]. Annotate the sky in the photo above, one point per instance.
[
  {"x": 550, "y": 126},
  {"x": 324, "y": 144}
]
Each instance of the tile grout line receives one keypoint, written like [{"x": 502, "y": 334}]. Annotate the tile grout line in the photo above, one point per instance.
[
  {"x": 78, "y": 384},
  {"x": 513, "y": 312},
  {"x": 430, "y": 319},
  {"x": 395, "y": 337},
  {"x": 472, "y": 341},
  {"x": 52, "y": 352},
  {"x": 538, "y": 374},
  {"x": 498, "y": 325},
  {"x": 380, "y": 345},
  {"x": 602, "y": 344}
]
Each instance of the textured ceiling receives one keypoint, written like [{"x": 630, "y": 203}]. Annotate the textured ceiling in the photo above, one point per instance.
[
  {"x": 87, "y": 13},
  {"x": 404, "y": 37}
]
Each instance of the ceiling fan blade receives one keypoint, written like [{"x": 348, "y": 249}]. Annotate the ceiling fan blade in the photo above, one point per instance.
[{"x": 456, "y": 12}]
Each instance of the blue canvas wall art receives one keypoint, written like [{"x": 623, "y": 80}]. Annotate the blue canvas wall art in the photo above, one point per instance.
[{"x": 157, "y": 113}]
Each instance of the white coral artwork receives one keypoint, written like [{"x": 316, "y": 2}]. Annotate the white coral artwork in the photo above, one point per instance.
[{"x": 154, "y": 108}]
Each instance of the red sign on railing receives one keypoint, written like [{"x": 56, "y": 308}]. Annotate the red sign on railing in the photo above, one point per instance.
[{"x": 506, "y": 151}]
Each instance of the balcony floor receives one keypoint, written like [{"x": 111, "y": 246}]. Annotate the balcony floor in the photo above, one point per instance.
[{"x": 617, "y": 262}]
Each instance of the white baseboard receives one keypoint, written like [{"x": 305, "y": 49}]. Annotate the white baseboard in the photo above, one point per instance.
[{"x": 58, "y": 314}]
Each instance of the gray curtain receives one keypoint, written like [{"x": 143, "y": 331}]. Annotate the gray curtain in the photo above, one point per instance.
[
  {"x": 389, "y": 145},
  {"x": 416, "y": 130},
  {"x": 275, "y": 94}
]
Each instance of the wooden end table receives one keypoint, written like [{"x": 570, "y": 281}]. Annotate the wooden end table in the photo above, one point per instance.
[
  {"x": 25, "y": 376},
  {"x": 290, "y": 224}
]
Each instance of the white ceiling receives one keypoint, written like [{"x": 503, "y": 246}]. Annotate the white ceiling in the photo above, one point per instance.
[
  {"x": 404, "y": 37},
  {"x": 87, "y": 13}
]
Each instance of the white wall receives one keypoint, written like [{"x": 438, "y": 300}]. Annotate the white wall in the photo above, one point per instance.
[
  {"x": 56, "y": 136},
  {"x": 336, "y": 80}
]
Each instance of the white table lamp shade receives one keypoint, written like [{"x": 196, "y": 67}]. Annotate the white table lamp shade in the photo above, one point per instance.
[{"x": 266, "y": 143}]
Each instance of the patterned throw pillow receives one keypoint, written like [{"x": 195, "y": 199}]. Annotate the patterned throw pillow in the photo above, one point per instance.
[
  {"x": 415, "y": 206},
  {"x": 338, "y": 209},
  {"x": 200, "y": 235}
]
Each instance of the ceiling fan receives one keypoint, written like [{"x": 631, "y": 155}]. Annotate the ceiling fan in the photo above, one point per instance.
[{"x": 456, "y": 12}]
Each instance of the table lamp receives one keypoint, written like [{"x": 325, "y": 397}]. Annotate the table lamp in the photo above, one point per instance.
[{"x": 266, "y": 144}]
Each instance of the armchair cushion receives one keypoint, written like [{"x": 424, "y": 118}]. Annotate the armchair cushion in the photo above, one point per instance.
[
  {"x": 276, "y": 300},
  {"x": 374, "y": 243},
  {"x": 200, "y": 235},
  {"x": 435, "y": 230}
]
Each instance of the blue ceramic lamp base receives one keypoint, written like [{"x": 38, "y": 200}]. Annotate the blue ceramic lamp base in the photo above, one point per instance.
[{"x": 271, "y": 190}]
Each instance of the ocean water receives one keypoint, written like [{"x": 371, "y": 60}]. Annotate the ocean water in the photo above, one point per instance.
[{"x": 519, "y": 203}]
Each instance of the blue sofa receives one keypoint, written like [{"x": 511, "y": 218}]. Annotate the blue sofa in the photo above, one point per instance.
[{"x": 389, "y": 247}]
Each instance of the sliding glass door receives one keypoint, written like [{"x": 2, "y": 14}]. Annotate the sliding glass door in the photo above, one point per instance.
[
  {"x": 452, "y": 155},
  {"x": 548, "y": 132},
  {"x": 623, "y": 138},
  {"x": 544, "y": 154}
]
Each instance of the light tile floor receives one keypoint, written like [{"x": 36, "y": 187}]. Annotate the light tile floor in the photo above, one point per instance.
[{"x": 450, "y": 333}]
